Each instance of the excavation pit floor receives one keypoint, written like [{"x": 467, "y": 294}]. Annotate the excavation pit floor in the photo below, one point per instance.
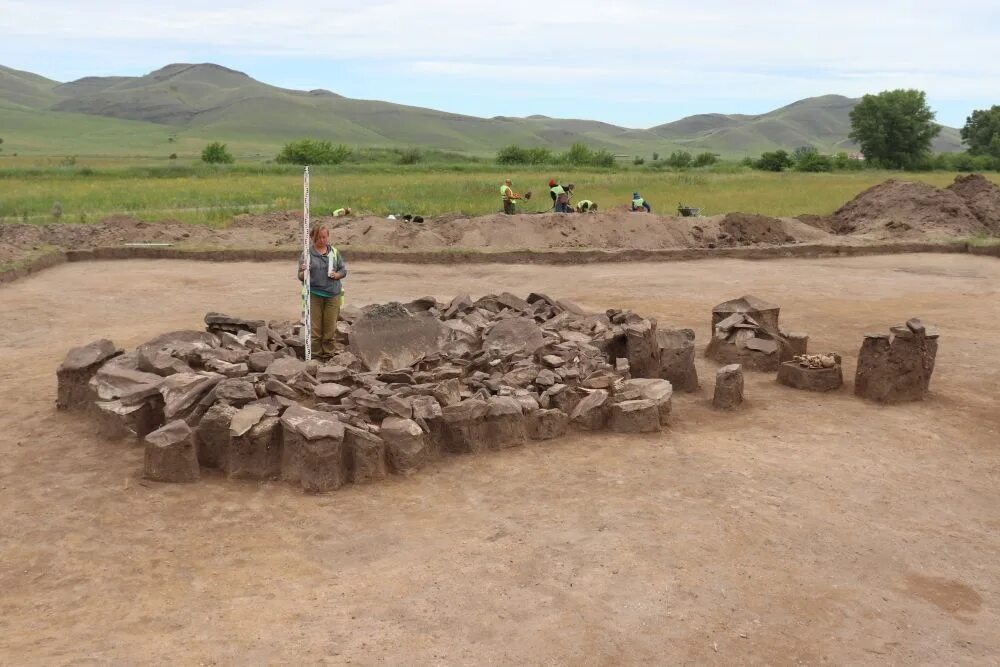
[{"x": 804, "y": 528}]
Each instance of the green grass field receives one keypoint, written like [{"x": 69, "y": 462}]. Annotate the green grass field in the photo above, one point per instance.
[{"x": 207, "y": 195}]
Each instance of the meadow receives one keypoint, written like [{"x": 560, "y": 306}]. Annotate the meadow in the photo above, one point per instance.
[{"x": 41, "y": 192}]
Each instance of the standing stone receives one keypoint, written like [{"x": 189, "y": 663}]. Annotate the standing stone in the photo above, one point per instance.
[
  {"x": 366, "y": 455},
  {"x": 74, "y": 373},
  {"x": 465, "y": 424},
  {"x": 643, "y": 352},
  {"x": 505, "y": 423},
  {"x": 255, "y": 453},
  {"x": 406, "y": 444},
  {"x": 899, "y": 369},
  {"x": 677, "y": 358},
  {"x": 660, "y": 392},
  {"x": 213, "y": 435},
  {"x": 591, "y": 413},
  {"x": 728, "y": 387},
  {"x": 546, "y": 424},
  {"x": 312, "y": 451},
  {"x": 171, "y": 455},
  {"x": 638, "y": 416},
  {"x": 118, "y": 419}
]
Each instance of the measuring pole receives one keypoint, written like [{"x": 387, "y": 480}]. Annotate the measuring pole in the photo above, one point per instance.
[{"x": 306, "y": 310}]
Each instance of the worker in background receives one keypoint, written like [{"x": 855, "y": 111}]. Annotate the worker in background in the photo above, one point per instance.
[
  {"x": 562, "y": 194},
  {"x": 638, "y": 203},
  {"x": 341, "y": 212},
  {"x": 509, "y": 197},
  {"x": 554, "y": 191},
  {"x": 586, "y": 206}
]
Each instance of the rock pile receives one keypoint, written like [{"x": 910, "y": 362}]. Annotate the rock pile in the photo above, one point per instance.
[
  {"x": 412, "y": 382},
  {"x": 745, "y": 331},
  {"x": 897, "y": 368}
]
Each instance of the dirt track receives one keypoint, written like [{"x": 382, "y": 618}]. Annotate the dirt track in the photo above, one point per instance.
[{"x": 807, "y": 528}]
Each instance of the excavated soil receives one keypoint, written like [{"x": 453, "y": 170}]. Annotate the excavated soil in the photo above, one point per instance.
[
  {"x": 982, "y": 196},
  {"x": 803, "y": 529}
]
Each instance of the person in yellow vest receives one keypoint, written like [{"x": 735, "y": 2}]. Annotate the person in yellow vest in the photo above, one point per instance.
[
  {"x": 326, "y": 271},
  {"x": 586, "y": 206},
  {"x": 509, "y": 197},
  {"x": 640, "y": 204},
  {"x": 341, "y": 212}
]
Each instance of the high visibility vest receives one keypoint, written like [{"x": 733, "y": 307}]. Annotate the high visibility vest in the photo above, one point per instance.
[
  {"x": 506, "y": 192},
  {"x": 637, "y": 203},
  {"x": 557, "y": 190},
  {"x": 340, "y": 212},
  {"x": 585, "y": 204}
]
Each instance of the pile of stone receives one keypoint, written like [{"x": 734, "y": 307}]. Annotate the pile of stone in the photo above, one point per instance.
[
  {"x": 897, "y": 368},
  {"x": 745, "y": 331},
  {"x": 412, "y": 382}
]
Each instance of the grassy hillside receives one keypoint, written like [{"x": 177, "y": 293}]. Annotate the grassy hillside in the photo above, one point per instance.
[{"x": 195, "y": 104}]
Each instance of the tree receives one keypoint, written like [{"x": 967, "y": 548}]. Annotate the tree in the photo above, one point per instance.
[
  {"x": 894, "y": 128},
  {"x": 216, "y": 153},
  {"x": 982, "y": 132},
  {"x": 705, "y": 159},
  {"x": 312, "y": 151},
  {"x": 778, "y": 160}
]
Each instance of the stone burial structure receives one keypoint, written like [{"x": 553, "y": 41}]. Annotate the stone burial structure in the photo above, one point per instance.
[
  {"x": 745, "y": 331},
  {"x": 812, "y": 372},
  {"x": 413, "y": 382},
  {"x": 897, "y": 367}
]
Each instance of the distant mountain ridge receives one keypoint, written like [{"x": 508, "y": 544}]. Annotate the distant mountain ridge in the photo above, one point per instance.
[{"x": 189, "y": 103}]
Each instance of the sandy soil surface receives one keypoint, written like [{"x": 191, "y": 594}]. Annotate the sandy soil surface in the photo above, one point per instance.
[{"x": 804, "y": 529}]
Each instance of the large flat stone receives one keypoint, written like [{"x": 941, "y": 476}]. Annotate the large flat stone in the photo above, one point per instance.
[{"x": 391, "y": 343}]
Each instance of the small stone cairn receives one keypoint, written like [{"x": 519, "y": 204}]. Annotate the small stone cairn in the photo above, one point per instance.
[
  {"x": 411, "y": 383},
  {"x": 745, "y": 331}
]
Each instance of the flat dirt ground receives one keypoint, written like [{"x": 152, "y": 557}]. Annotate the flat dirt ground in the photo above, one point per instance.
[{"x": 804, "y": 529}]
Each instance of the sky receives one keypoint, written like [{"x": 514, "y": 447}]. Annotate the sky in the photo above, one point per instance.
[{"x": 635, "y": 63}]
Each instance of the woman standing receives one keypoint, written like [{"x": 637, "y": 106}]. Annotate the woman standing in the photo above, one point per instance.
[{"x": 326, "y": 270}]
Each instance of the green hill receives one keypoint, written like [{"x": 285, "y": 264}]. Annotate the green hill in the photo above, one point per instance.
[{"x": 181, "y": 106}]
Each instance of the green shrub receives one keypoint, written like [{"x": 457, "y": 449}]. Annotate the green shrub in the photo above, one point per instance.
[
  {"x": 216, "y": 153},
  {"x": 638, "y": 160},
  {"x": 581, "y": 155},
  {"x": 705, "y": 159},
  {"x": 410, "y": 156},
  {"x": 173, "y": 156},
  {"x": 813, "y": 161},
  {"x": 312, "y": 151},
  {"x": 778, "y": 160},
  {"x": 679, "y": 160}
]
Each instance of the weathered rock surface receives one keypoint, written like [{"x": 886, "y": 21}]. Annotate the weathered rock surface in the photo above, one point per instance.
[
  {"x": 897, "y": 369},
  {"x": 171, "y": 455},
  {"x": 794, "y": 374},
  {"x": 75, "y": 372},
  {"x": 366, "y": 455},
  {"x": 255, "y": 453},
  {"x": 515, "y": 335},
  {"x": 213, "y": 435},
  {"x": 728, "y": 387},
  {"x": 546, "y": 424},
  {"x": 677, "y": 358},
  {"x": 591, "y": 412},
  {"x": 385, "y": 344},
  {"x": 637, "y": 416},
  {"x": 406, "y": 445}
]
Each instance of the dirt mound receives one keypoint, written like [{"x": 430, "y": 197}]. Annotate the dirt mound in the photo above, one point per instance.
[
  {"x": 906, "y": 210},
  {"x": 739, "y": 229},
  {"x": 982, "y": 196}
]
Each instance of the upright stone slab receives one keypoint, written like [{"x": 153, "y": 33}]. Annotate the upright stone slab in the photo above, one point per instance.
[
  {"x": 120, "y": 419},
  {"x": 505, "y": 423},
  {"x": 312, "y": 451},
  {"x": 728, "y": 387},
  {"x": 899, "y": 369},
  {"x": 660, "y": 392},
  {"x": 390, "y": 343},
  {"x": 642, "y": 348},
  {"x": 636, "y": 416},
  {"x": 591, "y": 413},
  {"x": 256, "y": 452},
  {"x": 213, "y": 435},
  {"x": 546, "y": 424},
  {"x": 366, "y": 455},
  {"x": 75, "y": 372},
  {"x": 171, "y": 455},
  {"x": 795, "y": 343},
  {"x": 405, "y": 443},
  {"x": 466, "y": 426},
  {"x": 677, "y": 358}
]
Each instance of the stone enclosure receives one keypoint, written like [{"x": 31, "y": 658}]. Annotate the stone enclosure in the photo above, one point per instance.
[
  {"x": 412, "y": 382},
  {"x": 417, "y": 381}
]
